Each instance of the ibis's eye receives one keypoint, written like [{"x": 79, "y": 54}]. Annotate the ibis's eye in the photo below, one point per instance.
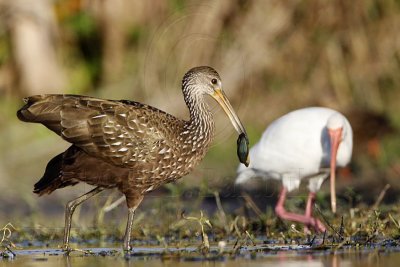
[{"x": 214, "y": 81}]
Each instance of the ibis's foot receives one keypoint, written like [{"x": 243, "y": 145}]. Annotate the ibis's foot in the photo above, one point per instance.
[
  {"x": 319, "y": 226},
  {"x": 314, "y": 223},
  {"x": 308, "y": 221}
]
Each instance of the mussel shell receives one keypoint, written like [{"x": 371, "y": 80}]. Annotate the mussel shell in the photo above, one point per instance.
[{"x": 243, "y": 149}]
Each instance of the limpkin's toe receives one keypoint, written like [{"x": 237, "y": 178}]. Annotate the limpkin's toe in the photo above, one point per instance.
[
  {"x": 127, "y": 249},
  {"x": 66, "y": 249}
]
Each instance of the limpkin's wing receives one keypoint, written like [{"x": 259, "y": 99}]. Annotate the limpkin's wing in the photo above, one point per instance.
[{"x": 120, "y": 132}]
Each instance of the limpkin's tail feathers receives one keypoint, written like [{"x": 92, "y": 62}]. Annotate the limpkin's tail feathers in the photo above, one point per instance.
[
  {"x": 43, "y": 109},
  {"x": 52, "y": 178}
]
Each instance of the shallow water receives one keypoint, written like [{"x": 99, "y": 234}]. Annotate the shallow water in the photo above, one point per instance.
[{"x": 252, "y": 257}]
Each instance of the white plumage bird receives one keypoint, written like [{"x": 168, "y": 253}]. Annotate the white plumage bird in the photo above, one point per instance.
[{"x": 305, "y": 143}]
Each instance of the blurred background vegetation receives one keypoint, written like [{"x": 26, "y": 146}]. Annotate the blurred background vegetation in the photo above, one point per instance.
[{"x": 273, "y": 56}]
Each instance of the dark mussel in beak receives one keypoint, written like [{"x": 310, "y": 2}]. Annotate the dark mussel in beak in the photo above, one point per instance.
[{"x": 243, "y": 149}]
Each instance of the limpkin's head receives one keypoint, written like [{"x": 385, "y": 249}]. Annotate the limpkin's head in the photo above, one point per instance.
[{"x": 204, "y": 80}]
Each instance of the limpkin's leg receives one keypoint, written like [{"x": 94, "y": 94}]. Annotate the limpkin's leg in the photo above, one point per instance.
[
  {"x": 318, "y": 225},
  {"x": 304, "y": 219},
  {"x": 69, "y": 210},
  {"x": 132, "y": 206}
]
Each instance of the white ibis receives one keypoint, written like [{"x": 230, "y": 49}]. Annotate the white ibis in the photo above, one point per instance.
[{"x": 306, "y": 143}]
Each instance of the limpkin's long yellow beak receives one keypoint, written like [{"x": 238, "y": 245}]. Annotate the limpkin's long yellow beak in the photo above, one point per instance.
[{"x": 221, "y": 98}]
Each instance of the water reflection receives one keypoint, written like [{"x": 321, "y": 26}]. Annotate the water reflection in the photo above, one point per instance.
[{"x": 361, "y": 258}]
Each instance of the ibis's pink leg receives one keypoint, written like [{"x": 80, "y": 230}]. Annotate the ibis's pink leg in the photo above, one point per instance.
[
  {"x": 306, "y": 219},
  {"x": 283, "y": 214},
  {"x": 318, "y": 225}
]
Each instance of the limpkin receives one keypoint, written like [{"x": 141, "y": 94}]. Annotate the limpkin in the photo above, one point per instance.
[{"x": 125, "y": 144}]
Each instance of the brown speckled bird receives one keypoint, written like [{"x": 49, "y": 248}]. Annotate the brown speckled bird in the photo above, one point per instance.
[{"x": 125, "y": 144}]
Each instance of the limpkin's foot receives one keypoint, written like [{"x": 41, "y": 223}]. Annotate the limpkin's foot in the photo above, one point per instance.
[
  {"x": 69, "y": 210},
  {"x": 133, "y": 203},
  {"x": 127, "y": 238},
  {"x": 126, "y": 247},
  {"x": 127, "y": 250},
  {"x": 66, "y": 249}
]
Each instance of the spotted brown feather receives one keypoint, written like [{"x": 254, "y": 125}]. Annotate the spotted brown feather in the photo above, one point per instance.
[{"x": 125, "y": 144}]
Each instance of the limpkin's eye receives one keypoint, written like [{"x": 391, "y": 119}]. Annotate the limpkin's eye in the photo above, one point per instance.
[{"x": 214, "y": 81}]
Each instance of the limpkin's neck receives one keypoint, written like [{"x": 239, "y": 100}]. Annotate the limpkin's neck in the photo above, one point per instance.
[{"x": 201, "y": 124}]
